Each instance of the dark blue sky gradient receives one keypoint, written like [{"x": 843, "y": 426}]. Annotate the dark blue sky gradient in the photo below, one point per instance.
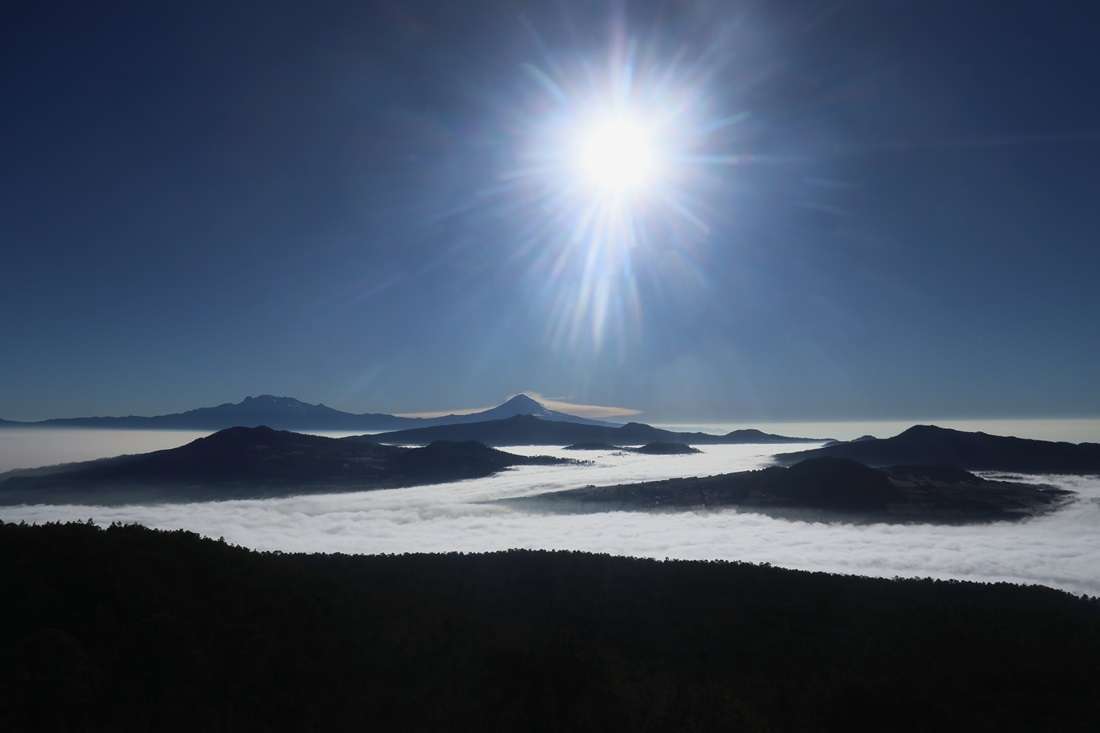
[{"x": 304, "y": 199}]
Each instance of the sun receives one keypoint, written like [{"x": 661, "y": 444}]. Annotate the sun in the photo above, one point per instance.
[{"x": 616, "y": 153}]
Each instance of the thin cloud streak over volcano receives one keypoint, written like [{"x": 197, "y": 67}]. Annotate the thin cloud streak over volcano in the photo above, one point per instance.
[{"x": 597, "y": 412}]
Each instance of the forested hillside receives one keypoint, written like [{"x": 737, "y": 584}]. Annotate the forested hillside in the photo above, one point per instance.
[{"x": 132, "y": 629}]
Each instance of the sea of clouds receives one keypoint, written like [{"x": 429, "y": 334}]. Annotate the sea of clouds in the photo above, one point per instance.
[{"x": 1061, "y": 549}]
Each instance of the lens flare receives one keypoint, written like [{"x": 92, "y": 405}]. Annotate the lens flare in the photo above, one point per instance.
[{"x": 618, "y": 166}]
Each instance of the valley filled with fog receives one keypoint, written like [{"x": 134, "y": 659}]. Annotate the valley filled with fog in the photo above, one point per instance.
[{"x": 1061, "y": 549}]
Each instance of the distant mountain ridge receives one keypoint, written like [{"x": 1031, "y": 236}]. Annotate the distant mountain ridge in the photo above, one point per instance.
[
  {"x": 930, "y": 444},
  {"x": 531, "y": 430},
  {"x": 288, "y": 413}
]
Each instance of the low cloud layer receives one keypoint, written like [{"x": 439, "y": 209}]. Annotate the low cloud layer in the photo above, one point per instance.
[{"x": 1061, "y": 549}]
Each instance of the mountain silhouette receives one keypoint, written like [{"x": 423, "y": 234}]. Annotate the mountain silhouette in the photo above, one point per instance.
[
  {"x": 256, "y": 462},
  {"x": 521, "y": 404},
  {"x": 929, "y": 444},
  {"x": 531, "y": 430},
  {"x": 826, "y": 486},
  {"x": 288, "y": 413},
  {"x": 665, "y": 449}
]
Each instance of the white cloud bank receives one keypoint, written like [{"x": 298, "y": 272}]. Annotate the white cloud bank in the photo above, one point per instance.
[{"x": 1061, "y": 549}]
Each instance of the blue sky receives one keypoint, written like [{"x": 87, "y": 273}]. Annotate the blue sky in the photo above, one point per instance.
[{"x": 321, "y": 201}]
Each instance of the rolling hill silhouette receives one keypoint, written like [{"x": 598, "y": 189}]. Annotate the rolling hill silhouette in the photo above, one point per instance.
[
  {"x": 256, "y": 462},
  {"x": 832, "y": 486},
  {"x": 929, "y": 444}
]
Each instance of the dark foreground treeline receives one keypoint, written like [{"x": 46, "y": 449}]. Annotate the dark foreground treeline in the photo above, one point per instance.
[{"x": 131, "y": 629}]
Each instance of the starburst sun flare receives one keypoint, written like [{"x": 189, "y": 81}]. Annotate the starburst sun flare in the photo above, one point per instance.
[{"x": 612, "y": 179}]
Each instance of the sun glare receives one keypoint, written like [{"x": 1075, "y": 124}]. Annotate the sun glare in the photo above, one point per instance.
[
  {"x": 615, "y": 169},
  {"x": 616, "y": 154}
]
